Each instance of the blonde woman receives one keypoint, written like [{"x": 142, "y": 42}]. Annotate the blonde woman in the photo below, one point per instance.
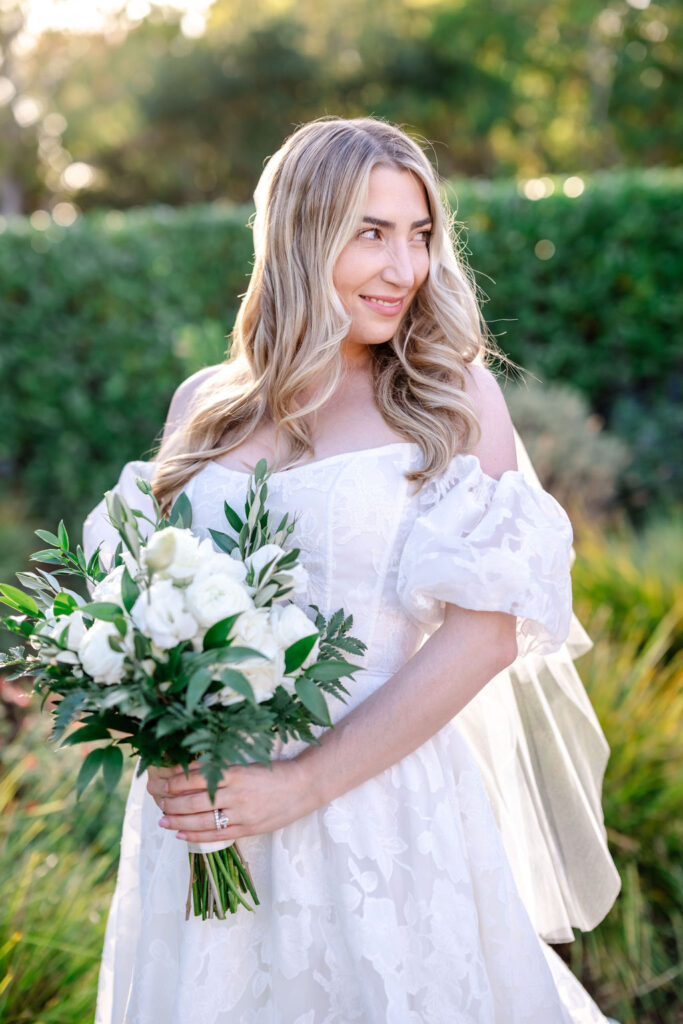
[{"x": 387, "y": 895}]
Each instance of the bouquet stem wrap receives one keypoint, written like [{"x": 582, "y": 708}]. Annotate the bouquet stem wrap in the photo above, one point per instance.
[{"x": 219, "y": 880}]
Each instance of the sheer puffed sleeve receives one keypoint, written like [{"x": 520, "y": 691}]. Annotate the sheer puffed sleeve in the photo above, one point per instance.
[
  {"x": 491, "y": 545},
  {"x": 97, "y": 528}
]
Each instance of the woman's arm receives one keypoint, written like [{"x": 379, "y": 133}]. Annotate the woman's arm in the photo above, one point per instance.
[{"x": 460, "y": 657}]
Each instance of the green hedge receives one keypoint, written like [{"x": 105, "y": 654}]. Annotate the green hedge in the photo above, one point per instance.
[{"x": 99, "y": 322}]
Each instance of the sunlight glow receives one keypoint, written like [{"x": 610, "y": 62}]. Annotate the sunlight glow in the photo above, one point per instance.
[{"x": 98, "y": 15}]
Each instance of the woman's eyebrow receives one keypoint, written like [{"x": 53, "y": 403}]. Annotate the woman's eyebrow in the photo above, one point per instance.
[{"x": 389, "y": 224}]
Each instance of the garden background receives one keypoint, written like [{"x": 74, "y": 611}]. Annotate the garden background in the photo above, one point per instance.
[{"x": 129, "y": 149}]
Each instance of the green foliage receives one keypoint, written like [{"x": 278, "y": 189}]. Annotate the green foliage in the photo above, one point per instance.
[
  {"x": 94, "y": 340},
  {"x": 57, "y": 862},
  {"x": 501, "y": 86},
  {"x": 601, "y": 313},
  {"x": 583, "y": 466},
  {"x": 632, "y": 961}
]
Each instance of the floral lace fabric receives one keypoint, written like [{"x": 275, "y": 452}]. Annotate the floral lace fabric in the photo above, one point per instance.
[{"x": 396, "y": 902}]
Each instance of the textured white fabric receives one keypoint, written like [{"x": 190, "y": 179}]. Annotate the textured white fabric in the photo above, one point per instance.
[
  {"x": 395, "y": 902},
  {"x": 542, "y": 756}
]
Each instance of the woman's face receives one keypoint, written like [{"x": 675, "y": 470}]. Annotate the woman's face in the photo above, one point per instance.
[{"x": 387, "y": 260}]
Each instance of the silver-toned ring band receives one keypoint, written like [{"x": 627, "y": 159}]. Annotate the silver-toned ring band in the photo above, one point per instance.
[{"x": 221, "y": 818}]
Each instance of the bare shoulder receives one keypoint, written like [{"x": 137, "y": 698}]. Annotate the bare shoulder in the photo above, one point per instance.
[
  {"x": 496, "y": 447},
  {"x": 183, "y": 396}
]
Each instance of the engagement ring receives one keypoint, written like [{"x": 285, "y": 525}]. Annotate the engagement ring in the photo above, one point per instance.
[{"x": 221, "y": 818}]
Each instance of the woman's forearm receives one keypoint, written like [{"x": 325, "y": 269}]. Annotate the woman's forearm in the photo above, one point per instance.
[{"x": 467, "y": 651}]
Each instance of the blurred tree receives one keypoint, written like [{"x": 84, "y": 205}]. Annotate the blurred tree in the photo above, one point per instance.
[{"x": 144, "y": 113}]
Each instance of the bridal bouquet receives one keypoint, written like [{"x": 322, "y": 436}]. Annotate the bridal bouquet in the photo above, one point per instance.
[{"x": 187, "y": 650}]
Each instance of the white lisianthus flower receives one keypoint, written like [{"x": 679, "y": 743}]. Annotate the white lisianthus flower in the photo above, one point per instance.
[
  {"x": 211, "y": 598},
  {"x": 211, "y": 561},
  {"x": 109, "y": 589},
  {"x": 172, "y": 554},
  {"x": 289, "y": 624},
  {"x": 160, "y": 614},
  {"x": 253, "y": 629},
  {"x": 51, "y": 629},
  {"x": 97, "y": 657},
  {"x": 262, "y": 556}
]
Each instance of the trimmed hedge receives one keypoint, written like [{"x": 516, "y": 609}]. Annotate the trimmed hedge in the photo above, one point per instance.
[{"x": 100, "y": 321}]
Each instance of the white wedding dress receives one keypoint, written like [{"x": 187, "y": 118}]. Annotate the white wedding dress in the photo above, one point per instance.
[{"x": 398, "y": 902}]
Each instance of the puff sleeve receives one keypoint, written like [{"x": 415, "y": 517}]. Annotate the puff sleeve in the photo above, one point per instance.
[
  {"x": 97, "y": 528},
  {"x": 491, "y": 545}
]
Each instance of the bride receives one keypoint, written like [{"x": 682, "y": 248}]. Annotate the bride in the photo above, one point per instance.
[{"x": 409, "y": 863}]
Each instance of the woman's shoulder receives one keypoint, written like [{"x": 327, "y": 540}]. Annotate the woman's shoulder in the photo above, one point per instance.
[
  {"x": 495, "y": 449},
  {"x": 184, "y": 394}
]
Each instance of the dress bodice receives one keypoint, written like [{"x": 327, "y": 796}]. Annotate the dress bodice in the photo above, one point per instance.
[{"x": 391, "y": 553}]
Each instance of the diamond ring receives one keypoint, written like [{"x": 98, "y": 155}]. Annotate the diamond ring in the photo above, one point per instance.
[{"x": 221, "y": 818}]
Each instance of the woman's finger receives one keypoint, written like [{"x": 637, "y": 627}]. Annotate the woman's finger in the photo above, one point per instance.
[
  {"x": 192, "y": 822},
  {"x": 192, "y": 803}
]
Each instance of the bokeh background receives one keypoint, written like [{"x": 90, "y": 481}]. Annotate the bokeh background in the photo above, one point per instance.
[{"x": 131, "y": 139}]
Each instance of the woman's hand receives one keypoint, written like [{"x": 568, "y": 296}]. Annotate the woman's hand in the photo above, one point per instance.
[{"x": 254, "y": 797}]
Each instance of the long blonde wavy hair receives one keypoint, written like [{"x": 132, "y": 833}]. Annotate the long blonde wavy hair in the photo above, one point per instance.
[{"x": 291, "y": 323}]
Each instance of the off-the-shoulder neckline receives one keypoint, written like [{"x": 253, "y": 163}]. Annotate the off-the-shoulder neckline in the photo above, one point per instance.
[
  {"x": 316, "y": 462},
  {"x": 354, "y": 452}
]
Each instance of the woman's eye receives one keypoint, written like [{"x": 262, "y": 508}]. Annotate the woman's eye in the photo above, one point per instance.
[
  {"x": 426, "y": 235},
  {"x": 369, "y": 231}
]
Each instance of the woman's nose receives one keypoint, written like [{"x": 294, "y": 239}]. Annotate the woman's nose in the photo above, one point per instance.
[{"x": 399, "y": 269}]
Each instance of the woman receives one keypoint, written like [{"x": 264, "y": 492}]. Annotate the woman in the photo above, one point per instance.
[{"x": 386, "y": 892}]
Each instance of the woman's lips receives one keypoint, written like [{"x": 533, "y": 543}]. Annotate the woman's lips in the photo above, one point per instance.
[{"x": 386, "y": 307}]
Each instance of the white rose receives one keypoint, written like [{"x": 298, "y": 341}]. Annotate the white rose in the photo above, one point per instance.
[
  {"x": 262, "y": 556},
  {"x": 289, "y": 624},
  {"x": 172, "y": 554},
  {"x": 160, "y": 614},
  {"x": 212, "y": 598},
  {"x": 253, "y": 629},
  {"x": 97, "y": 657}
]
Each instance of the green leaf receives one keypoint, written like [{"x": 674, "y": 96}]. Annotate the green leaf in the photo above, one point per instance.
[
  {"x": 296, "y": 653},
  {"x": 181, "y": 513},
  {"x": 65, "y": 712},
  {"x": 48, "y": 555},
  {"x": 232, "y": 517},
  {"x": 17, "y": 599},
  {"x": 200, "y": 681},
  {"x": 336, "y": 621},
  {"x": 63, "y": 536},
  {"x": 106, "y": 610},
  {"x": 223, "y": 541},
  {"x": 49, "y": 538},
  {"x": 331, "y": 669},
  {"x": 112, "y": 766},
  {"x": 64, "y": 604},
  {"x": 89, "y": 769},
  {"x": 312, "y": 699},
  {"x": 130, "y": 591},
  {"x": 121, "y": 625},
  {"x": 217, "y": 635},
  {"x": 87, "y": 734},
  {"x": 166, "y": 725},
  {"x": 80, "y": 558},
  {"x": 239, "y": 683}
]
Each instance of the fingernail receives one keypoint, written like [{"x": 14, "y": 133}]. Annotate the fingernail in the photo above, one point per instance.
[
  {"x": 163, "y": 821},
  {"x": 181, "y": 835}
]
